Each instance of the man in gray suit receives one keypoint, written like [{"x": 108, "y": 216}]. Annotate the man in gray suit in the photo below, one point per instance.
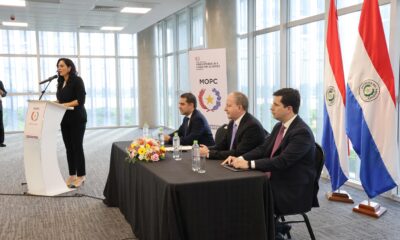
[{"x": 3, "y": 93}]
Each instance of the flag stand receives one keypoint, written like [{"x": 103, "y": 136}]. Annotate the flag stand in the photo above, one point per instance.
[
  {"x": 339, "y": 196},
  {"x": 369, "y": 208}
]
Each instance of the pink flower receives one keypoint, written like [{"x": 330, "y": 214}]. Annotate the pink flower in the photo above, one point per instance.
[{"x": 155, "y": 157}]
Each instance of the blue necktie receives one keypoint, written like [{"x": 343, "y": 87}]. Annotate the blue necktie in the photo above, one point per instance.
[
  {"x": 185, "y": 126},
  {"x": 234, "y": 130}
]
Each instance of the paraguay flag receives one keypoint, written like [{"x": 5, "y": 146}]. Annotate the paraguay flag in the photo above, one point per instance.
[
  {"x": 371, "y": 105},
  {"x": 334, "y": 139}
]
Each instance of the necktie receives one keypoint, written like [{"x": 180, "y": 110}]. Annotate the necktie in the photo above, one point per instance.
[
  {"x": 185, "y": 126},
  {"x": 234, "y": 130},
  {"x": 278, "y": 141}
]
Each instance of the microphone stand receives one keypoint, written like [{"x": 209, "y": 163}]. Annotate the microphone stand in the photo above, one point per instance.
[{"x": 44, "y": 90}]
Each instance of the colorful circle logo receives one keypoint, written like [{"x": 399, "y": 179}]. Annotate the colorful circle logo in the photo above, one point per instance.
[{"x": 210, "y": 101}]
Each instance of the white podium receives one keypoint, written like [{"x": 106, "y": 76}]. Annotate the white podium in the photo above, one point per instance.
[{"x": 42, "y": 172}]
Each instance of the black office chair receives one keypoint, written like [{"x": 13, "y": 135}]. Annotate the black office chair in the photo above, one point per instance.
[
  {"x": 221, "y": 133},
  {"x": 319, "y": 164}
]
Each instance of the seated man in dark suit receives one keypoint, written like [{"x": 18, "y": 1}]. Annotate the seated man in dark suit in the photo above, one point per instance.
[
  {"x": 244, "y": 131},
  {"x": 287, "y": 156},
  {"x": 194, "y": 126}
]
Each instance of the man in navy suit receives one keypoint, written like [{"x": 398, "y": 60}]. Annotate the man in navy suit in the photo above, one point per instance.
[
  {"x": 194, "y": 126},
  {"x": 287, "y": 156},
  {"x": 3, "y": 93},
  {"x": 244, "y": 131}
]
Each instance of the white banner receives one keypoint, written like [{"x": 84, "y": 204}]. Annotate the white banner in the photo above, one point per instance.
[{"x": 207, "y": 73}]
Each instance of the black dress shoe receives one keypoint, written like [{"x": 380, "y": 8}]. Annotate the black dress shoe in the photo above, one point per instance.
[
  {"x": 283, "y": 228},
  {"x": 2, "y": 145},
  {"x": 279, "y": 236}
]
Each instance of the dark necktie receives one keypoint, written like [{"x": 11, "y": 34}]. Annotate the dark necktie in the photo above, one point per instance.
[
  {"x": 234, "y": 130},
  {"x": 185, "y": 126},
  {"x": 277, "y": 142}
]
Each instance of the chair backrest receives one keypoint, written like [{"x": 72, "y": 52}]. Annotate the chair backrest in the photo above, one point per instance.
[
  {"x": 319, "y": 164},
  {"x": 221, "y": 133}
]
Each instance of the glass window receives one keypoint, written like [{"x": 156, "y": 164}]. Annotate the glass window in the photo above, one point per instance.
[
  {"x": 183, "y": 31},
  {"x": 127, "y": 45},
  {"x": 97, "y": 44},
  {"x": 243, "y": 77},
  {"x": 241, "y": 16},
  {"x": 57, "y": 43},
  {"x": 267, "y": 13},
  {"x": 14, "y": 111},
  {"x": 172, "y": 99},
  {"x": 299, "y": 9},
  {"x": 184, "y": 81},
  {"x": 198, "y": 26},
  {"x": 19, "y": 74},
  {"x": 129, "y": 97},
  {"x": 170, "y": 35},
  {"x": 161, "y": 90},
  {"x": 17, "y": 42},
  {"x": 267, "y": 76},
  {"x": 347, "y": 3},
  {"x": 306, "y": 71},
  {"x": 99, "y": 76}
]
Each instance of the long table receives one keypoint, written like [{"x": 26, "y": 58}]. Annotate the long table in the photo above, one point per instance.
[{"x": 167, "y": 200}]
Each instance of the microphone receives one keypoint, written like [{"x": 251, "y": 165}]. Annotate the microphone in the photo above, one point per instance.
[{"x": 49, "y": 79}]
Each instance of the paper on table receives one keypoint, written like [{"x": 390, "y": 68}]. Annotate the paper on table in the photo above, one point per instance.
[{"x": 183, "y": 148}]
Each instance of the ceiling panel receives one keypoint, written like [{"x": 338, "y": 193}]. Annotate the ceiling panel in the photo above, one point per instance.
[{"x": 70, "y": 15}]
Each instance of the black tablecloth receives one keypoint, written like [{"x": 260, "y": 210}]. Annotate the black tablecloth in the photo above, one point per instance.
[{"x": 167, "y": 200}]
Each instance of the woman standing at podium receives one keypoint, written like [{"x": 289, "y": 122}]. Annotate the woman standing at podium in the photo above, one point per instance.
[{"x": 71, "y": 93}]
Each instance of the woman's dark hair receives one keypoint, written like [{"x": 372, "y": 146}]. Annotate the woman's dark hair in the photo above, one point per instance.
[{"x": 70, "y": 64}]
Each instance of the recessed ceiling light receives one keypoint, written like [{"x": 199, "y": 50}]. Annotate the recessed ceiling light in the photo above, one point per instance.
[
  {"x": 109, "y": 28},
  {"x": 135, "y": 10},
  {"x": 15, "y": 24},
  {"x": 14, "y": 3}
]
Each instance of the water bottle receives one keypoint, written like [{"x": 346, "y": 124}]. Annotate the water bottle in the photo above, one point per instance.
[
  {"x": 145, "y": 130},
  {"x": 161, "y": 136},
  {"x": 177, "y": 148},
  {"x": 196, "y": 156},
  {"x": 202, "y": 164}
]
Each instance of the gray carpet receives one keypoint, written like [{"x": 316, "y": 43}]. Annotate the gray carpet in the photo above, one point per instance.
[{"x": 27, "y": 217}]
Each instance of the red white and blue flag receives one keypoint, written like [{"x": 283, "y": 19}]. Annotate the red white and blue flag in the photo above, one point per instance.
[
  {"x": 334, "y": 139},
  {"x": 371, "y": 105}
]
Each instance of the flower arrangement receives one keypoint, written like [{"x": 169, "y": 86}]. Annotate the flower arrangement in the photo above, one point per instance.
[{"x": 145, "y": 149}]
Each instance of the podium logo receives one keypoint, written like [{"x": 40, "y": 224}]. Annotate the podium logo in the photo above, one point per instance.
[{"x": 34, "y": 116}]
